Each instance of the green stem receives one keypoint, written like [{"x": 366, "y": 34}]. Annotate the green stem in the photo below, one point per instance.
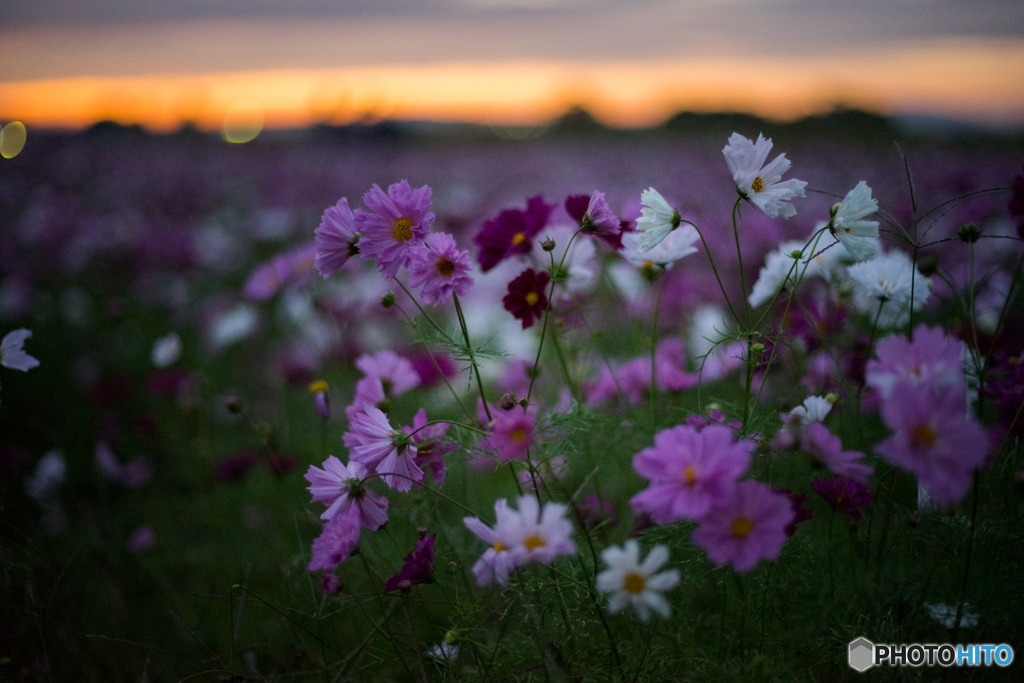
[
  {"x": 654, "y": 346},
  {"x": 975, "y": 486},
  {"x": 472, "y": 358},
  {"x": 739, "y": 257}
]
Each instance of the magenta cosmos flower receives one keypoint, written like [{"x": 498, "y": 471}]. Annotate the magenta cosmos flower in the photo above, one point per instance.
[
  {"x": 844, "y": 495},
  {"x": 526, "y": 298},
  {"x": 827, "y": 448},
  {"x": 690, "y": 470},
  {"x": 389, "y": 452},
  {"x": 511, "y": 233},
  {"x": 336, "y": 237},
  {"x": 342, "y": 488},
  {"x": 418, "y": 568},
  {"x": 337, "y": 542},
  {"x": 399, "y": 222},
  {"x": 934, "y": 439},
  {"x": 931, "y": 359},
  {"x": 512, "y": 434},
  {"x": 746, "y": 528},
  {"x": 440, "y": 268}
]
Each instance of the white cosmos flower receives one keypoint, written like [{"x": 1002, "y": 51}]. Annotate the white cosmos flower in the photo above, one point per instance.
[
  {"x": 814, "y": 409},
  {"x": 677, "y": 244},
  {"x": 860, "y": 237},
  {"x": 759, "y": 183},
  {"x": 166, "y": 350},
  {"x": 657, "y": 219},
  {"x": 887, "y": 281},
  {"x": 777, "y": 269},
  {"x": 631, "y": 582},
  {"x": 580, "y": 267},
  {"x": 12, "y": 352}
]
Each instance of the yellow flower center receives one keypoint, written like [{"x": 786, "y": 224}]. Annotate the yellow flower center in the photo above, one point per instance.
[
  {"x": 518, "y": 239},
  {"x": 532, "y": 298},
  {"x": 922, "y": 436},
  {"x": 757, "y": 185},
  {"x": 403, "y": 229},
  {"x": 689, "y": 478},
  {"x": 318, "y": 387},
  {"x": 741, "y": 526},
  {"x": 519, "y": 434},
  {"x": 445, "y": 267},
  {"x": 499, "y": 547},
  {"x": 532, "y": 542},
  {"x": 634, "y": 583}
]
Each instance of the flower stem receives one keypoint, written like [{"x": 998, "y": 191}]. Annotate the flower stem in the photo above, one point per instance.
[
  {"x": 654, "y": 345},
  {"x": 472, "y": 358}
]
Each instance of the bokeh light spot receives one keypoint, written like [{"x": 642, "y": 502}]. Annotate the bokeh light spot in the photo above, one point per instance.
[
  {"x": 12, "y": 139},
  {"x": 243, "y": 121}
]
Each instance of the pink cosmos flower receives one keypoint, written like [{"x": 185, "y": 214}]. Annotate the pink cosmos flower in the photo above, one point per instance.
[
  {"x": 689, "y": 471},
  {"x": 134, "y": 474},
  {"x": 440, "y": 268},
  {"x": 341, "y": 488},
  {"x": 746, "y": 528},
  {"x": 337, "y": 541},
  {"x": 336, "y": 237},
  {"x": 430, "y": 449},
  {"x": 396, "y": 373},
  {"x": 512, "y": 433},
  {"x": 931, "y": 359},
  {"x": 290, "y": 268},
  {"x": 399, "y": 222},
  {"x": 373, "y": 443},
  {"x": 827, "y": 448},
  {"x": 593, "y": 214},
  {"x": 934, "y": 439},
  {"x": 497, "y": 561},
  {"x": 369, "y": 392}
]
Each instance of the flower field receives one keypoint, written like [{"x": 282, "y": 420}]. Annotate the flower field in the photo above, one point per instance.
[{"x": 417, "y": 403}]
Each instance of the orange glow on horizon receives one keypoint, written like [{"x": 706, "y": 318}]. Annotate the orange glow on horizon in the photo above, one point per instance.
[{"x": 972, "y": 80}]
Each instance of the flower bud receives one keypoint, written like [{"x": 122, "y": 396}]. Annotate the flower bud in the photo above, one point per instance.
[
  {"x": 968, "y": 233},
  {"x": 832, "y": 398},
  {"x": 508, "y": 401},
  {"x": 388, "y": 300},
  {"x": 796, "y": 253},
  {"x": 233, "y": 405},
  {"x": 452, "y": 637},
  {"x": 757, "y": 348},
  {"x": 548, "y": 244}
]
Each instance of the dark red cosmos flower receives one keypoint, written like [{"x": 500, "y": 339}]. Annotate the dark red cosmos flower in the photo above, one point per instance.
[
  {"x": 844, "y": 494},
  {"x": 512, "y": 232},
  {"x": 526, "y": 299},
  {"x": 796, "y": 500},
  {"x": 419, "y": 567}
]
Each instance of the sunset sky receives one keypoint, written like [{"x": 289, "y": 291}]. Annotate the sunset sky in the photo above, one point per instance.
[{"x": 69, "y": 63}]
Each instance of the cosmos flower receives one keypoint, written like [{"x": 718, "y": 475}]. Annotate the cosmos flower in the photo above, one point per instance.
[
  {"x": 932, "y": 359},
  {"x": 540, "y": 534},
  {"x": 166, "y": 351},
  {"x": 342, "y": 488},
  {"x": 748, "y": 527},
  {"x": 337, "y": 542},
  {"x": 883, "y": 288},
  {"x": 512, "y": 433},
  {"x": 12, "y": 352},
  {"x": 440, "y": 268},
  {"x": 657, "y": 219},
  {"x": 399, "y": 222},
  {"x": 678, "y": 244},
  {"x": 813, "y": 409},
  {"x": 934, "y": 439},
  {"x": 844, "y": 495},
  {"x": 689, "y": 471},
  {"x": 373, "y": 443},
  {"x": 761, "y": 184},
  {"x": 430, "y": 448},
  {"x": 396, "y": 373},
  {"x": 418, "y": 567},
  {"x": 337, "y": 237},
  {"x": 636, "y": 583},
  {"x": 511, "y": 233},
  {"x": 526, "y": 299},
  {"x": 827, "y": 448},
  {"x": 593, "y": 214},
  {"x": 498, "y": 560},
  {"x": 860, "y": 237}
]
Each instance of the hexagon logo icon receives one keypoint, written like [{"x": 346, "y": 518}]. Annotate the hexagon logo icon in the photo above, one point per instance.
[{"x": 862, "y": 654}]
